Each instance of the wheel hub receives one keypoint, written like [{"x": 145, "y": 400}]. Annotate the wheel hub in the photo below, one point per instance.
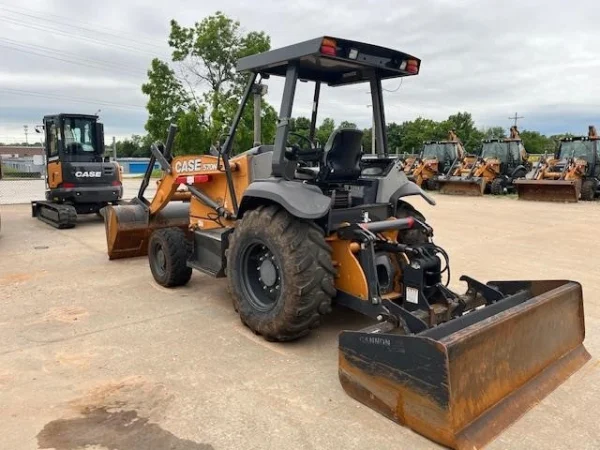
[{"x": 268, "y": 272}]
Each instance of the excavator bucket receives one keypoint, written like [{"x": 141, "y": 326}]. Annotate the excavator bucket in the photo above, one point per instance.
[
  {"x": 455, "y": 185},
  {"x": 461, "y": 383},
  {"x": 565, "y": 191},
  {"x": 128, "y": 227}
]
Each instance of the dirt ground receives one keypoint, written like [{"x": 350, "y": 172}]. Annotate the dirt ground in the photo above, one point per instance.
[{"x": 94, "y": 354}]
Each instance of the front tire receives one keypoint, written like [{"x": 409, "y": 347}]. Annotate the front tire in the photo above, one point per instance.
[
  {"x": 497, "y": 186},
  {"x": 280, "y": 273},
  {"x": 588, "y": 190},
  {"x": 168, "y": 253}
]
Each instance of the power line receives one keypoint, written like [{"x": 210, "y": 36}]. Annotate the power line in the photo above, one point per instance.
[
  {"x": 71, "y": 99},
  {"x": 117, "y": 66},
  {"x": 79, "y": 63},
  {"x": 92, "y": 28},
  {"x": 122, "y": 47}
]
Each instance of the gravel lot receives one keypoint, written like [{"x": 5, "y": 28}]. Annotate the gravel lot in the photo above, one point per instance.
[{"x": 94, "y": 354}]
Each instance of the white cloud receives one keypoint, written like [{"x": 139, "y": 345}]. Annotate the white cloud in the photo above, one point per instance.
[{"x": 489, "y": 58}]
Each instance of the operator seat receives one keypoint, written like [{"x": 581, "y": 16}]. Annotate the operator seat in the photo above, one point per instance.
[{"x": 342, "y": 154}]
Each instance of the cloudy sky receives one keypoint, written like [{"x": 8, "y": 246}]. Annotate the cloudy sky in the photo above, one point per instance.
[{"x": 492, "y": 58}]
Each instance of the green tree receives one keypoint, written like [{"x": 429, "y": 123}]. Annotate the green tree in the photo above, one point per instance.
[
  {"x": 346, "y": 124},
  {"x": 199, "y": 89},
  {"x": 493, "y": 133},
  {"x": 463, "y": 125},
  {"x": 535, "y": 142},
  {"x": 324, "y": 131}
]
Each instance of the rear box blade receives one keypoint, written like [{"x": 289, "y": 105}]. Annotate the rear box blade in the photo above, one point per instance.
[
  {"x": 461, "y": 383},
  {"x": 129, "y": 227},
  {"x": 564, "y": 191},
  {"x": 462, "y": 186}
]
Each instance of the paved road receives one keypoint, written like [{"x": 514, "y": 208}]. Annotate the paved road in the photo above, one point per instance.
[
  {"x": 87, "y": 345},
  {"x": 24, "y": 191}
]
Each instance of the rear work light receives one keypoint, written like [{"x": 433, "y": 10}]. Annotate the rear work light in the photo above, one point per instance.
[
  {"x": 329, "y": 47},
  {"x": 410, "y": 66},
  {"x": 192, "y": 179}
]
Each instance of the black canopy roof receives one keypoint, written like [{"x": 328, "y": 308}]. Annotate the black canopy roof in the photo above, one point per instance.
[{"x": 353, "y": 61}]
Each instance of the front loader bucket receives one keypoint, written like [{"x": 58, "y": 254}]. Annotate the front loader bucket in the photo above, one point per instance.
[
  {"x": 565, "y": 191},
  {"x": 128, "y": 227},
  {"x": 474, "y": 186},
  {"x": 463, "y": 382}
]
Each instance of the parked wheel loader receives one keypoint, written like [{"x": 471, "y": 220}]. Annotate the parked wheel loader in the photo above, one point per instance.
[
  {"x": 436, "y": 157},
  {"x": 500, "y": 162},
  {"x": 79, "y": 178},
  {"x": 297, "y": 229},
  {"x": 572, "y": 174}
]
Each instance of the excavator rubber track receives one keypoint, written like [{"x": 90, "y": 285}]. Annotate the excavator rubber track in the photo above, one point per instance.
[{"x": 57, "y": 215}]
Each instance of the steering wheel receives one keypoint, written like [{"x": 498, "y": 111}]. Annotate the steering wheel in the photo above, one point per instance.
[{"x": 311, "y": 146}]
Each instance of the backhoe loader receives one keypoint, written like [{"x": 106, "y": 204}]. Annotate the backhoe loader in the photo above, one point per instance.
[
  {"x": 79, "y": 178},
  {"x": 437, "y": 157},
  {"x": 501, "y": 162},
  {"x": 572, "y": 174},
  {"x": 296, "y": 228}
]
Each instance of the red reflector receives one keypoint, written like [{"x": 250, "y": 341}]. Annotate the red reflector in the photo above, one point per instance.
[
  {"x": 328, "y": 50},
  {"x": 192, "y": 179},
  {"x": 116, "y": 183},
  {"x": 68, "y": 185},
  {"x": 412, "y": 66}
]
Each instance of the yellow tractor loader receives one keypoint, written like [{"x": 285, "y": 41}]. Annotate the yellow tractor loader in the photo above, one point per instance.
[
  {"x": 296, "y": 228},
  {"x": 572, "y": 174},
  {"x": 437, "y": 157},
  {"x": 494, "y": 171}
]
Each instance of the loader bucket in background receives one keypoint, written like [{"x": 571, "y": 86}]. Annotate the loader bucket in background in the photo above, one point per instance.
[
  {"x": 128, "y": 227},
  {"x": 474, "y": 186},
  {"x": 565, "y": 191},
  {"x": 463, "y": 382}
]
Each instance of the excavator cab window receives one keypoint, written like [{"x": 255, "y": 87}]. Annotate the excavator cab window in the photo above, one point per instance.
[
  {"x": 514, "y": 149},
  {"x": 441, "y": 151},
  {"x": 577, "y": 149},
  {"x": 79, "y": 136},
  {"x": 495, "y": 150},
  {"x": 52, "y": 138}
]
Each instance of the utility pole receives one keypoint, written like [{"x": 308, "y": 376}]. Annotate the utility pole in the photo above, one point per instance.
[
  {"x": 114, "y": 148},
  {"x": 26, "y": 128},
  {"x": 516, "y": 118}
]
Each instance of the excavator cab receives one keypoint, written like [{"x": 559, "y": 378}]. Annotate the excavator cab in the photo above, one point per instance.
[{"x": 79, "y": 178}]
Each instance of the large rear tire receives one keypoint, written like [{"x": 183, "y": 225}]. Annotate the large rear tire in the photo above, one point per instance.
[
  {"x": 168, "y": 252},
  {"x": 280, "y": 273},
  {"x": 588, "y": 190}
]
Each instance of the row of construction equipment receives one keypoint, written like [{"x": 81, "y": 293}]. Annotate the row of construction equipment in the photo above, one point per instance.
[
  {"x": 296, "y": 229},
  {"x": 504, "y": 166}
]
